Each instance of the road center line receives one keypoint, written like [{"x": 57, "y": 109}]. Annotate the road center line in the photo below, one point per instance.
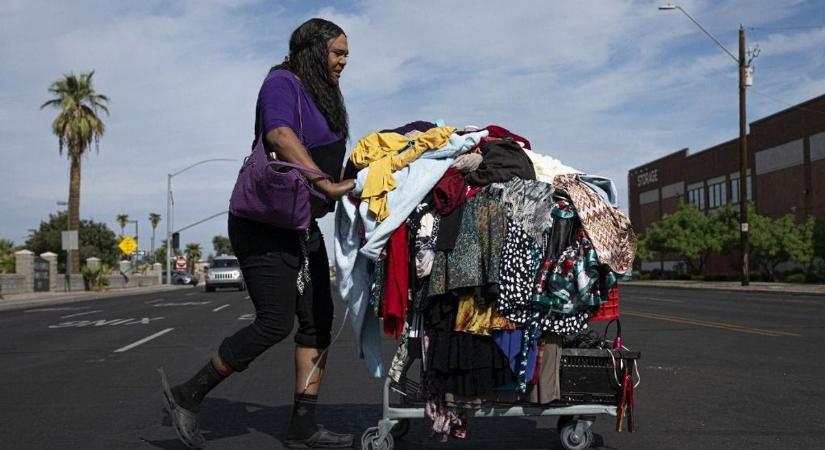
[
  {"x": 82, "y": 313},
  {"x": 220, "y": 308},
  {"x": 143, "y": 341},
  {"x": 154, "y": 301},
  {"x": 710, "y": 324}
]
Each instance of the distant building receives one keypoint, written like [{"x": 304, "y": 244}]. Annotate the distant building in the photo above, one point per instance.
[{"x": 786, "y": 161}]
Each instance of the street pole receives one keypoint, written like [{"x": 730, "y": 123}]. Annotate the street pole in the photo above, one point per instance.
[
  {"x": 743, "y": 162},
  {"x": 743, "y": 138},
  {"x": 168, "y": 227},
  {"x": 169, "y": 218}
]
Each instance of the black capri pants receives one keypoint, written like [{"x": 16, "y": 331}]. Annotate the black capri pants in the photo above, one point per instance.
[{"x": 270, "y": 259}]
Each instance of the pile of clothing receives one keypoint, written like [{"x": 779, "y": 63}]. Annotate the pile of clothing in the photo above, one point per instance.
[{"x": 480, "y": 255}]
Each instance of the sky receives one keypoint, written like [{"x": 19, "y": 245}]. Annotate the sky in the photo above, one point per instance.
[{"x": 603, "y": 86}]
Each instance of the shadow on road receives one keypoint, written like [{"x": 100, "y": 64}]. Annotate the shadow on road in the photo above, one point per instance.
[{"x": 223, "y": 420}]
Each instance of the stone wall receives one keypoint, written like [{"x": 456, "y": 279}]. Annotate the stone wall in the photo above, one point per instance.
[{"x": 11, "y": 283}]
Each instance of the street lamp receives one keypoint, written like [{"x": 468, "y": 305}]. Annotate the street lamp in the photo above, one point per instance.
[
  {"x": 170, "y": 217},
  {"x": 744, "y": 82}
]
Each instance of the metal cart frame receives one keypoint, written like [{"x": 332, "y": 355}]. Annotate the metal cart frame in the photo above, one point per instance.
[{"x": 574, "y": 425}]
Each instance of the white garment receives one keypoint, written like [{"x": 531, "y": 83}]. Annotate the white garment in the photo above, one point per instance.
[{"x": 547, "y": 167}]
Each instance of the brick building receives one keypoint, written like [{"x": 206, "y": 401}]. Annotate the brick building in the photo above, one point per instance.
[{"x": 786, "y": 174}]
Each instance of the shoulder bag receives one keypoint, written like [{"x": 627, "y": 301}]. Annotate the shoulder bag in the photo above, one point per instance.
[{"x": 265, "y": 192}]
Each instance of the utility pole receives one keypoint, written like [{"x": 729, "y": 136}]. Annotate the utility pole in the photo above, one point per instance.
[{"x": 743, "y": 161}]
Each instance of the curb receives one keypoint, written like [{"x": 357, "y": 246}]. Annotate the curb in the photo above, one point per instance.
[
  {"x": 790, "y": 289},
  {"x": 15, "y": 304}
]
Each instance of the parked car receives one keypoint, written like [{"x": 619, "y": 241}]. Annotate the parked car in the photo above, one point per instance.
[
  {"x": 180, "y": 277},
  {"x": 225, "y": 271}
]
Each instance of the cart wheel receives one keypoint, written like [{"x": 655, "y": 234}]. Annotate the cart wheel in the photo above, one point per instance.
[
  {"x": 570, "y": 441},
  {"x": 371, "y": 440},
  {"x": 400, "y": 429},
  {"x": 563, "y": 420}
]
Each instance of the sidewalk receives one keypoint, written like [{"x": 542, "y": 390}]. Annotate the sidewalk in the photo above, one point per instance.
[
  {"x": 37, "y": 299},
  {"x": 785, "y": 288}
]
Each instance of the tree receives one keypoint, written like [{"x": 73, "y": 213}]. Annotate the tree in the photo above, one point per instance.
[
  {"x": 222, "y": 245},
  {"x": 7, "y": 258},
  {"x": 692, "y": 235},
  {"x": 95, "y": 239},
  {"x": 154, "y": 219},
  {"x": 76, "y": 126},
  {"x": 122, "y": 220},
  {"x": 775, "y": 241},
  {"x": 193, "y": 253}
]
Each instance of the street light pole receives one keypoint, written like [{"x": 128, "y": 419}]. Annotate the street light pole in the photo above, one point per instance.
[
  {"x": 170, "y": 218},
  {"x": 743, "y": 139}
]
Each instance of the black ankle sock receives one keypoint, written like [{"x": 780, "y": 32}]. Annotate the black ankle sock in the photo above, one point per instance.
[
  {"x": 302, "y": 422},
  {"x": 190, "y": 394}
]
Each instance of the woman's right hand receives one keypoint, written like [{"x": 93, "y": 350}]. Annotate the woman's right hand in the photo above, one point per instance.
[{"x": 334, "y": 191}]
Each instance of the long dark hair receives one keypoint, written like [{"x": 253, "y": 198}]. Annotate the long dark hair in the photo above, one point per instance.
[{"x": 308, "y": 56}]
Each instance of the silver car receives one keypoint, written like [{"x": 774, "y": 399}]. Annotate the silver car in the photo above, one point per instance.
[{"x": 225, "y": 271}]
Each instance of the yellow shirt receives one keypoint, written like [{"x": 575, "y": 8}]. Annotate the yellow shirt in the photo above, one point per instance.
[{"x": 385, "y": 153}]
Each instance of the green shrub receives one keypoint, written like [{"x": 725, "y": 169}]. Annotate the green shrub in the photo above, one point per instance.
[
  {"x": 95, "y": 279},
  {"x": 795, "y": 278}
]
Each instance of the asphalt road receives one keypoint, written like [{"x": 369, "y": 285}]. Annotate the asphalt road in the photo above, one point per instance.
[{"x": 719, "y": 370}]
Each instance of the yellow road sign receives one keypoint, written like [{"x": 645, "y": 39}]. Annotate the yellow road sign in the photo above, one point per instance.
[{"x": 127, "y": 245}]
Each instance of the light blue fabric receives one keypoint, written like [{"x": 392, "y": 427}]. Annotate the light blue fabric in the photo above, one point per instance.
[
  {"x": 457, "y": 145},
  {"x": 602, "y": 186},
  {"x": 352, "y": 264}
]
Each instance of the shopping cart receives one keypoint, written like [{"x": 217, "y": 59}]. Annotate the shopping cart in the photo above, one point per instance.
[{"x": 593, "y": 382}]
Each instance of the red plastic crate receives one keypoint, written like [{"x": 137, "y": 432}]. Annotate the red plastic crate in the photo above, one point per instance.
[{"x": 609, "y": 310}]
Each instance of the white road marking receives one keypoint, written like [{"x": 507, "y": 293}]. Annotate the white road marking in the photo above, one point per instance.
[
  {"x": 82, "y": 313},
  {"x": 154, "y": 301},
  {"x": 247, "y": 317},
  {"x": 191, "y": 294},
  {"x": 158, "y": 305},
  {"x": 104, "y": 322},
  {"x": 143, "y": 341},
  {"x": 220, "y": 308},
  {"x": 246, "y": 298}
]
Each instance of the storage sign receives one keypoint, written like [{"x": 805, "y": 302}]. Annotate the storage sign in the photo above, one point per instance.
[{"x": 649, "y": 177}]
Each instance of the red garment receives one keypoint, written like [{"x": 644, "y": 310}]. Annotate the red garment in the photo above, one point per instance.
[
  {"x": 450, "y": 191},
  {"x": 473, "y": 190},
  {"x": 501, "y": 132},
  {"x": 394, "y": 306}
]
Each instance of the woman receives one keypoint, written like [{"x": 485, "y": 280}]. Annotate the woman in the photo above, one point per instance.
[{"x": 301, "y": 116}]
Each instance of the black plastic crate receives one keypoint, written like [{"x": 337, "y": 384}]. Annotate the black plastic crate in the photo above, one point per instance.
[{"x": 587, "y": 375}]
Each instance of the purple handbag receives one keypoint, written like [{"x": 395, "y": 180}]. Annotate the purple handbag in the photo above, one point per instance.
[{"x": 280, "y": 198}]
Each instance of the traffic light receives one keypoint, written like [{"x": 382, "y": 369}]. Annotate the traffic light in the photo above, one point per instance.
[{"x": 175, "y": 241}]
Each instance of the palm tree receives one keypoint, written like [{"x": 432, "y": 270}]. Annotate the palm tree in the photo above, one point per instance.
[
  {"x": 122, "y": 220},
  {"x": 76, "y": 126},
  {"x": 154, "y": 219},
  {"x": 193, "y": 253}
]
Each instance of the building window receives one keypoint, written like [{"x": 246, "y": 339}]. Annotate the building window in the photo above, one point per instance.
[
  {"x": 734, "y": 189},
  {"x": 717, "y": 195},
  {"x": 697, "y": 197}
]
